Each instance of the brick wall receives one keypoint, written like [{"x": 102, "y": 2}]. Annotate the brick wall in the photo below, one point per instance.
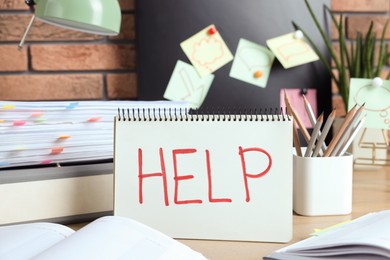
[
  {"x": 358, "y": 15},
  {"x": 58, "y": 64},
  {"x": 61, "y": 64}
]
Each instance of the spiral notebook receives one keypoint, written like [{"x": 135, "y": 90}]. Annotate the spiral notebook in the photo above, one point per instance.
[{"x": 219, "y": 176}]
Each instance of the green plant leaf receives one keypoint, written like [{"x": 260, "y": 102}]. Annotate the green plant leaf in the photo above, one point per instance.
[
  {"x": 323, "y": 35},
  {"x": 382, "y": 55}
]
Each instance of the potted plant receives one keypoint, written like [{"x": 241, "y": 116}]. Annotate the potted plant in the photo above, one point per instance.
[{"x": 358, "y": 61}]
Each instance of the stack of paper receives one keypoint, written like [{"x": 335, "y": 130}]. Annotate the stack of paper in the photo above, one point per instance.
[{"x": 34, "y": 133}]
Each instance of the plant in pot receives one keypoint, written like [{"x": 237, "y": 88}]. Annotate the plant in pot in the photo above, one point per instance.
[{"x": 361, "y": 60}]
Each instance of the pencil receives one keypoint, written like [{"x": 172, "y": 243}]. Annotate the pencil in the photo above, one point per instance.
[
  {"x": 312, "y": 118},
  {"x": 352, "y": 136},
  {"x": 347, "y": 131},
  {"x": 314, "y": 135},
  {"x": 295, "y": 131},
  {"x": 324, "y": 133},
  {"x": 297, "y": 144},
  {"x": 343, "y": 126},
  {"x": 302, "y": 127}
]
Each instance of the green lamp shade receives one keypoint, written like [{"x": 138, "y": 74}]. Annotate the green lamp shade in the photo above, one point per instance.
[{"x": 91, "y": 16}]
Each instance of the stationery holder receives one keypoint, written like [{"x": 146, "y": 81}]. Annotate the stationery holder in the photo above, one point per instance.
[
  {"x": 373, "y": 147},
  {"x": 322, "y": 185}
]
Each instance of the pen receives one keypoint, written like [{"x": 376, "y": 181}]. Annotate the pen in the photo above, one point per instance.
[
  {"x": 314, "y": 135},
  {"x": 312, "y": 118},
  {"x": 347, "y": 131},
  {"x": 352, "y": 136},
  {"x": 324, "y": 133},
  {"x": 343, "y": 126}
]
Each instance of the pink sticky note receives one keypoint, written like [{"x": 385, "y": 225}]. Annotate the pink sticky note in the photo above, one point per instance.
[
  {"x": 94, "y": 119},
  {"x": 46, "y": 162},
  {"x": 296, "y": 98},
  {"x": 19, "y": 122}
]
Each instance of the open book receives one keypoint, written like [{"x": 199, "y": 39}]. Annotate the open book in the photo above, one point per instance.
[
  {"x": 367, "y": 237},
  {"x": 110, "y": 237}
]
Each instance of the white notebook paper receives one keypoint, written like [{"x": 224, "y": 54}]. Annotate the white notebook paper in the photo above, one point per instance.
[{"x": 211, "y": 176}]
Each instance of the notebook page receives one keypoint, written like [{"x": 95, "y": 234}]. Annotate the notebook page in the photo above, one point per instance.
[
  {"x": 20, "y": 242},
  {"x": 118, "y": 238},
  {"x": 214, "y": 176}
]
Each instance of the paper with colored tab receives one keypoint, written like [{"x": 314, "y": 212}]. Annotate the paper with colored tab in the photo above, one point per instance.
[
  {"x": 186, "y": 85},
  {"x": 252, "y": 63},
  {"x": 35, "y": 133},
  {"x": 291, "y": 50},
  {"x": 297, "y": 101},
  {"x": 207, "y": 51}
]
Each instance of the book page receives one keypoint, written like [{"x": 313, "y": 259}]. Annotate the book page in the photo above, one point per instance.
[
  {"x": 366, "y": 235},
  {"x": 41, "y": 133},
  {"x": 27, "y": 240},
  {"x": 118, "y": 238}
]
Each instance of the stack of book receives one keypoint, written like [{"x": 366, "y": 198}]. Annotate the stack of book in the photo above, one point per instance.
[{"x": 42, "y": 133}]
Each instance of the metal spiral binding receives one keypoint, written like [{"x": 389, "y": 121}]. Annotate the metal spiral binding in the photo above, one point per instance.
[{"x": 180, "y": 114}]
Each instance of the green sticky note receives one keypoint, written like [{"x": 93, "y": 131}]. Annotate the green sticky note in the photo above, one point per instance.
[
  {"x": 186, "y": 85},
  {"x": 376, "y": 99},
  {"x": 291, "y": 50},
  {"x": 207, "y": 51},
  {"x": 252, "y": 63}
]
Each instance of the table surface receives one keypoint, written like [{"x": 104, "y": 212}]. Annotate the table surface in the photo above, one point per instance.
[{"x": 371, "y": 192}]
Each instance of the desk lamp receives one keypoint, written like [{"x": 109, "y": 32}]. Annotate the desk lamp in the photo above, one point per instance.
[{"x": 91, "y": 16}]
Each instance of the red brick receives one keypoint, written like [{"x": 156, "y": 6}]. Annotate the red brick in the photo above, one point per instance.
[
  {"x": 338, "y": 104},
  {"x": 361, "y": 5},
  {"x": 82, "y": 57},
  {"x": 51, "y": 87},
  {"x": 122, "y": 86},
  {"x": 335, "y": 89},
  {"x": 362, "y": 23},
  {"x": 13, "y": 5},
  {"x": 13, "y": 59},
  {"x": 12, "y": 27},
  {"x": 334, "y": 33},
  {"x": 127, "y": 5},
  {"x": 385, "y": 73},
  {"x": 127, "y": 31}
]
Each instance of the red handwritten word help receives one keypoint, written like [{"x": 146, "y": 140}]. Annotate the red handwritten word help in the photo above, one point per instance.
[{"x": 178, "y": 177}]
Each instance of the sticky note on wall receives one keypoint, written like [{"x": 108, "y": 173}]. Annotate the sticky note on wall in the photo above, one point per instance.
[
  {"x": 376, "y": 100},
  {"x": 207, "y": 51},
  {"x": 252, "y": 63},
  {"x": 186, "y": 85},
  {"x": 291, "y": 50}
]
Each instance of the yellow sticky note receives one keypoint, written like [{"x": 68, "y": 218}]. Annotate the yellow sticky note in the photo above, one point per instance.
[
  {"x": 291, "y": 50},
  {"x": 207, "y": 51},
  {"x": 63, "y": 137},
  {"x": 8, "y": 107},
  {"x": 318, "y": 231}
]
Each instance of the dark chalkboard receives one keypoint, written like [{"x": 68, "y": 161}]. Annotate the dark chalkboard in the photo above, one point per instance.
[{"x": 161, "y": 25}]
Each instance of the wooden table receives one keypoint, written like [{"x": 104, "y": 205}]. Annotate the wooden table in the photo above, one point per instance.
[{"x": 371, "y": 192}]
